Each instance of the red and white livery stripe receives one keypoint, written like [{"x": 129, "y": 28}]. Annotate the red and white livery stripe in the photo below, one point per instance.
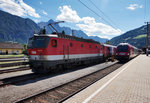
[{"x": 62, "y": 57}]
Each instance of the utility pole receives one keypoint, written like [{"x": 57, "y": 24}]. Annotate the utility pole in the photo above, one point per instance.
[
  {"x": 147, "y": 37},
  {"x": 73, "y": 32}
]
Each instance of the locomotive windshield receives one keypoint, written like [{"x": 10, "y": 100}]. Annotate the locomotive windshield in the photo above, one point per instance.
[
  {"x": 122, "y": 48},
  {"x": 38, "y": 42}
]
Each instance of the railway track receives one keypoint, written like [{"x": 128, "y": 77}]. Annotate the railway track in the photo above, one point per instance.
[
  {"x": 65, "y": 91},
  {"x": 16, "y": 79},
  {"x": 14, "y": 63},
  {"x": 14, "y": 69},
  {"x": 12, "y": 59}
]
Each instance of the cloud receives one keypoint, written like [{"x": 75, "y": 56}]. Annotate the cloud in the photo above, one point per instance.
[
  {"x": 91, "y": 27},
  {"x": 134, "y": 6},
  {"x": 44, "y": 12},
  {"x": 67, "y": 14},
  {"x": 41, "y": 2},
  {"x": 36, "y": 20},
  {"x": 87, "y": 24},
  {"x": 18, "y": 7}
]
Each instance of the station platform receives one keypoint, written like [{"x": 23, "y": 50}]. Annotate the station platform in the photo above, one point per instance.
[{"x": 128, "y": 84}]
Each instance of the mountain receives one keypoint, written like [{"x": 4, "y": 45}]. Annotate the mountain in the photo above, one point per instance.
[
  {"x": 136, "y": 37},
  {"x": 16, "y": 29},
  {"x": 96, "y": 38},
  {"x": 68, "y": 31}
]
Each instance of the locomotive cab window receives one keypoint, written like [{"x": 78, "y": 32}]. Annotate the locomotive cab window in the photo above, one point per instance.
[
  {"x": 54, "y": 43},
  {"x": 38, "y": 42}
]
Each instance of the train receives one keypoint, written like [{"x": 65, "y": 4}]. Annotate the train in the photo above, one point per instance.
[
  {"x": 48, "y": 52},
  {"x": 126, "y": 51},
  {"x": 109, "y": 52}
]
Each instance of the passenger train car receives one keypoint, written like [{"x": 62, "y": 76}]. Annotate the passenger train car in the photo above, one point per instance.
[
  {"x": 109, "y": 52},
  {"x": 126, "y": 52},
  {"x": 46, "y": 52}
]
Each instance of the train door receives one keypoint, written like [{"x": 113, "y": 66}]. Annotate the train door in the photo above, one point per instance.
[
  {"x": 65, "y": 52},
  {"x": 104, "y": 51},
  {"x": 109, "y": 51},
  {"x": 101, "y": 50},
  {"x": 131, "y": 54}
]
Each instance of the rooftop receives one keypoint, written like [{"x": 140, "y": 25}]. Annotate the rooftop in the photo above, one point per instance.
[{"x": 10, "y": 46}]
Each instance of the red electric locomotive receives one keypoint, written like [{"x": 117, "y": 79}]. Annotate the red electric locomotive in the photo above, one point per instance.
[
  {"x": 47, "y": 52},
  {"x": 126, "y": 52}
]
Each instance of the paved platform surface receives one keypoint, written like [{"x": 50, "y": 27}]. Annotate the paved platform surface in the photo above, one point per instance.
[{"x": 128, "y": 84}]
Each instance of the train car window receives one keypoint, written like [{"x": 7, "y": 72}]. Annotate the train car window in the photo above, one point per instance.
[
  {"x": 81, "y": 45},
  {"x": 89, "y": 46},
  {"x": 96, "y": 46},
  {"x": 54, "y": 43},
  {"x": 71, "y": 44}
]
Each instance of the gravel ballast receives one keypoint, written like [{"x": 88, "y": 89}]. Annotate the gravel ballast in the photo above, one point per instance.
[{"x": 18, "y": 91}]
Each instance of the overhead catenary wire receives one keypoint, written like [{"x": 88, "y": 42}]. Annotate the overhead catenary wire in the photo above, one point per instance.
[
  {"x": 97, "y": 14},
  {"x": 103, "y": 13},
  {"x": 48, "y": 17},
  {"x": 145, "y": 10}
]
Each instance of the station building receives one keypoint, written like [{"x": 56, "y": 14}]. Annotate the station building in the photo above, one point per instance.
[{"x": 10, "y": 48}]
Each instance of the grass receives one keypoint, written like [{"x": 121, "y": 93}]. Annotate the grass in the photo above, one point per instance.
[
  {"x": 11, "y": 56},
  {"x": 128, "y": 38},
  {"x": 140, "y": 36}
]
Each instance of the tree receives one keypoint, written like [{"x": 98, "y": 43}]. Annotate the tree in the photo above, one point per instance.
[
  {"x": 63, "y": 32},
  {"x": 107, "y": 42},
  {"x": 24, "y": 51}
]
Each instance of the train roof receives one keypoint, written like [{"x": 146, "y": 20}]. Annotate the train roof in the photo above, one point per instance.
[
  {"x": 109, "y": 45},
  {"x": 68, "y": 37},
  {"x": 123, "y": 44},
  {"x": 127, "y": 44},
  {"x": 49, "y": 35}
]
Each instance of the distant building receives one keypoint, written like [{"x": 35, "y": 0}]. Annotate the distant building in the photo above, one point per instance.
[{"x": 10, "y": 48}]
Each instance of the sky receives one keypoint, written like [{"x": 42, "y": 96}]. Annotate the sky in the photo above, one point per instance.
[{"x": 103, "y": 18}]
